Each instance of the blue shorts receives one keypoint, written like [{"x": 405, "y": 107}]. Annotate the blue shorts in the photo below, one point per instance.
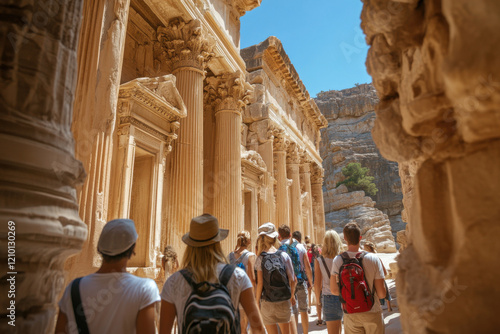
[{"x": 332, "y": 309}]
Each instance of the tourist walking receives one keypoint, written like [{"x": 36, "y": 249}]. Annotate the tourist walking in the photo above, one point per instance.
[
  {"x": 244, "y": 259},
  {"x": 302, "y": 269},
  {"x": 275, "y": 281},
  {"x": 370, "y": 247},
  {"x": 110, "y": 300},
  {"x": 332, "y": 309},
  {"x": 363, "y": 272},
  {"x": 205, "y": 294}
]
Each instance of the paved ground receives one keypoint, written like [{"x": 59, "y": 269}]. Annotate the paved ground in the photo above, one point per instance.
[{"x": 391, "y": 319}]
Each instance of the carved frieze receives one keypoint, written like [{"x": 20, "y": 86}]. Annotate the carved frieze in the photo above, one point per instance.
[
  {"x": 229, "y": 91},
  {"x": 186, "y": 44}
]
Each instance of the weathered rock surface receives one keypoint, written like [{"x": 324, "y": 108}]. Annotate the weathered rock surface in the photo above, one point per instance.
[
  {"x": 434, "y": 64},
  {"x": 351, "y": 116},
  {"x": 344, "y": 207}
]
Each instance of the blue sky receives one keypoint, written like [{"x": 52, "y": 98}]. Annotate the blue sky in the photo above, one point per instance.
[{"x": 322, "y": 38}]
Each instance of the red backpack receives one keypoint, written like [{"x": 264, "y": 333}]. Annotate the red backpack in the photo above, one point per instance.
[{"x": 355, "y": 294}]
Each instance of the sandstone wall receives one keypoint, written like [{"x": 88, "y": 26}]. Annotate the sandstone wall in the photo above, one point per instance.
[
  {"x": 350, "y": 114},
  {"x": 436, "y": 69}
]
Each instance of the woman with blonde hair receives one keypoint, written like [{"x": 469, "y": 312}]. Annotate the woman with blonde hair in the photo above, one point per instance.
[
  {"x": 332, "y": 308},
  {"x": 205, "y": 270},
  {"x": 275, "y": 281},
  {"x": 244, "y": 259}
]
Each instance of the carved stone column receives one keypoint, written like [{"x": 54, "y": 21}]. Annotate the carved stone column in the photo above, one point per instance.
[
  {"x": 279, "y": 152},
  {"x": 305, "y": 176},
  {"x": 187, "y": 49},
  {"x": 317, "y": 202},
  {"x": 100, "y": 57},
  {"x": 292, "y": 168},
  {"x": 40, "y": 226},
  {"x": 228, "y": 93}
]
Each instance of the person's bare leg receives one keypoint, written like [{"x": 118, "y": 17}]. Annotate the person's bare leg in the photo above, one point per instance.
[
  {"x": 293, "y": 324},
  {"x": 389, "y": 308},
  {"x": 272, "y": 329},
  {"x": 309, "y": 296},
  {"x": 334, "y": 327},
  {"x": 305, "y": 322},
  {"x": 285, "y": 328},
  {"x": 243, "y": 322},
  {"x": 319, "y": 309}
]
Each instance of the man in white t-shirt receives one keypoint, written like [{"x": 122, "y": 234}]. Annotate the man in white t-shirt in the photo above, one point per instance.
[
  {"x": 369, "y": 322},
  {"x": 113, "y": 301},
  {"x": 301, "y": 288}
]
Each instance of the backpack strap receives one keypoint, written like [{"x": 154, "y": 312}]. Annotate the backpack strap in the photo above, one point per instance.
[
  {"x": 76, "y": 300},
  {"x": 345, "y": 256},
  {"x": 326, "y": 267},
  {"x": 226, "y": 273},
  {"x": 360, "y": 256},
  {"x": 188, "y": 276}
]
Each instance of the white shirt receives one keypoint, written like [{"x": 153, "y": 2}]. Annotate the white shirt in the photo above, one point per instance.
[
  {"x": 286, "y": 259},
  {"x": 111, "y": 302},
  {"x": 324, "y": 275},
  {"x": 245, "y": 255},
  {"x": 372, "y": 266},
  {"x": 300, "y": 249},
  {"x": 177, "y": 290}
]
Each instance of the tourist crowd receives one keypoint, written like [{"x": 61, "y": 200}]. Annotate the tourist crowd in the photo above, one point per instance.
[{"x": 245, "y": 291}]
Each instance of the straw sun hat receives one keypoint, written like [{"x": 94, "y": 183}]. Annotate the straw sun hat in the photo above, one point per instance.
[{"x": 203, "y": 231}]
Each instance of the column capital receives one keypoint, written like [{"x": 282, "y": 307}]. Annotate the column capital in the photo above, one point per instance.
[
  {"x": 186, "y": 44},
  {"x": 317, "y": 175},
  {"x": 293, "y": 154},
  {"x": 305, "y": 161},
  {"x": 229, "y": 91},
  {"x": 281, "y": 142}
]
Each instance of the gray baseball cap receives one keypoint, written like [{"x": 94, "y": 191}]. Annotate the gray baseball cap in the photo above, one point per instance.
[{"x": 117, "y": 236}]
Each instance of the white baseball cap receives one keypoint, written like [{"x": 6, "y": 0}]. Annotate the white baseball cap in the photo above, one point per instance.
[
  {"x": 117, "y": 236},
  {"x": 268, "y": 229}
]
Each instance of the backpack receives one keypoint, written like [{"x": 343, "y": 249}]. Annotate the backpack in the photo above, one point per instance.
[
  {"x": 355, "y": 294},
  {"x": 274, "y": 278},
  {"x": 239, "y": 262},
  {"x": 291, "y": 250},
  {"x": 209, "y": 308}
]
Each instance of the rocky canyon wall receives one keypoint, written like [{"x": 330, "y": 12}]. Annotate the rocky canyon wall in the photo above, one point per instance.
[
  {"x": 436, "y": 69},
  {"x": 351, "y": 116}
]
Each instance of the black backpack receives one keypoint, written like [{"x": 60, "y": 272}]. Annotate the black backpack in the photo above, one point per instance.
[
  {"x": 209, "y": 308},
  {"x": 275, "y": 278}
]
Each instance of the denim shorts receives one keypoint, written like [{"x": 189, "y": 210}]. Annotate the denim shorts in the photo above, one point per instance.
[{"x": 332, "y": 309}]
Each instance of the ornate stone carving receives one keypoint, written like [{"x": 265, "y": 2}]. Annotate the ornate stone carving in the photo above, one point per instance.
[
  {"x": 229, "y": 91},
  {"x": 292, "y": 154},
  {"x": 185, "y": 44},
  {"x": 317, "y": 174},
  {"x": 280, "y": 141}
]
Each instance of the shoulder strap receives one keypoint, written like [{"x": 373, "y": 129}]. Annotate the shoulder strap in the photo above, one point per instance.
[
  {"x": 76, "y": 300},
  {"x": 294, "y": 244},
  {"x": 226, "y": 273},
  {"x": 243, "y": 256},
  {"x": 324, "y": 263},
  {"x": 345, "y": 256},
  {"x": 188, "y": 276}
]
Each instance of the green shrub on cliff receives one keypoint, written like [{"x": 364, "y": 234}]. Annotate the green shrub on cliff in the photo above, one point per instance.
[{"x": 356, "y": 179}]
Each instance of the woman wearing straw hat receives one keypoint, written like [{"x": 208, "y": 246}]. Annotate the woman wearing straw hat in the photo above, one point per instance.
[
  {"x": 275, "y": 281},
  {"x": 204, "y": 261}
]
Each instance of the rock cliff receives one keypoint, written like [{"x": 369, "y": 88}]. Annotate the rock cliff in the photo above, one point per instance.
[{"x": 350, "y": 114}]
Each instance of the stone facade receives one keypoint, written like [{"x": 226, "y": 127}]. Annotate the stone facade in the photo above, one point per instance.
[
  {"x": 169, "y": 122},
  {"x": 434, "y": 64}
]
